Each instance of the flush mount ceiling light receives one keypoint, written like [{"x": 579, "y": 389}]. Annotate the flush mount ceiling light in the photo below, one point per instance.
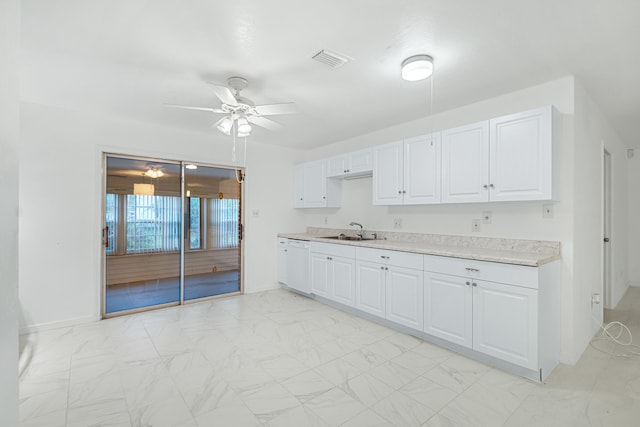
[
  {"x": 191, "y": 166},
  {"x": 417, "y": 67}
]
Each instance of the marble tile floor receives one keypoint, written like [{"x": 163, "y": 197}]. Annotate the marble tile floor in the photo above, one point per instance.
[{"x": 278, "y": 359}]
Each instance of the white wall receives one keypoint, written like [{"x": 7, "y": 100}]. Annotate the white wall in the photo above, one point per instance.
[
  {"x": 60, "y": 201},
  {"x": 593, "y": 135},
  {"x": 9, "y": 142},
  {"x": 633, "y": 211}
]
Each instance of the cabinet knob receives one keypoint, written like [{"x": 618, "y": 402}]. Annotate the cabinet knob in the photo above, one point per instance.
[
  {"x": 491, "y": 186},
  {"x": 485, "y": 186},
  {"x": 329, "y": 258},
  {"x": 386, "y": 268},
  {"x": 474, "y": 284},
  {"x": 404, "y": 191},
  {"x": 285, "y": 250},
  {"x": 468, "y": 283},
  {"x": 381, "y": 268},
  {"x": 324, "y": 197},
  {"x": 399, "y": 191}
]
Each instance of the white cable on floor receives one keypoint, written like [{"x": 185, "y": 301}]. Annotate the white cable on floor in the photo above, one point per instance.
[{"x": 616, "y": 336}]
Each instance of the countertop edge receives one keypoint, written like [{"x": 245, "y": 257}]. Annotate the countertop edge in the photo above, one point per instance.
[{"x": 530, "y": 260}]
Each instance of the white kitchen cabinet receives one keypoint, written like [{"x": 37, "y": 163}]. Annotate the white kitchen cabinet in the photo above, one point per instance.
[
  {"x": 389, "y": 285},
  {"x": 407, "y": 172},
  {"x": 357, "y": 163},
  {"x": 521, "y": 155},
  {"x": 509, "y": 158},
  {"x": 448, "y": 308},
  {"x": 333, "y": 272},
  {"x": 319, "y": 274},
  {"x": 343, "y": 283},
  {"x": 312, "y": 188},
  {"x": 465, "y": 164},
  {"x": 388, "y": 174},
  {"x": 370, "y": 288},
  {"x": 298, "y": 186},
  {"x": 283, "y": 265},
  {"x": 505, "y": 322},
  {"x": 404, "y": 296},
  {"x": 493, "y": 309}
]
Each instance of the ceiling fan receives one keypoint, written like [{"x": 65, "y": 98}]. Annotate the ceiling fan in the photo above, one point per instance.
[{"x": 240, "y": 112}]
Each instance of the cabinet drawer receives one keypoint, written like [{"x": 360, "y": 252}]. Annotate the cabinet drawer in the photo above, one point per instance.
[
  {"x": 344, "y": 251},
  {"x": 399, "y": 259},
  {"x": 519, "y": 275}
]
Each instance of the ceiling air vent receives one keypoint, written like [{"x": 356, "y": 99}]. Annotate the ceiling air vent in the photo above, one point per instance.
[{"x": 332, "y": 59}]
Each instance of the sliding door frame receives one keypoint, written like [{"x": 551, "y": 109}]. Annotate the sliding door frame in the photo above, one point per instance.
[{"x": 240, "y": 171}]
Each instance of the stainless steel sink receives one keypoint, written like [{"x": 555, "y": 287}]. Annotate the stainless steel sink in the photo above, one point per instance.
[{"x": 355, "y": 238}]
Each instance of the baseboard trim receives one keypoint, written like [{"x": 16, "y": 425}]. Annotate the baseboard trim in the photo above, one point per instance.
[{"x": 40, "y": 327}]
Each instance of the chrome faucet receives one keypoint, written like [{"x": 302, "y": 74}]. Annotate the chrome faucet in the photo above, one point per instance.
[{"x": 361, "y": 233}]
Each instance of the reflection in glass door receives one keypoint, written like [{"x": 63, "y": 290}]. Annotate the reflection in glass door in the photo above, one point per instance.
[
  {"x": 163, "y": 246},
  {"x": 212, "y": 231},
  {"x": 143, "y": 218}
]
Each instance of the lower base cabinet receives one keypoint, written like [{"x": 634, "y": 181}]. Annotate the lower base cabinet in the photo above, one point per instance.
[
  {"x": 404, "y": 295},
  {"x": 447, "y": 308},
  {"x": 370, "y": 288},
  {"x": 332, "y": 273},
  {"x": 505, "y": 322}
]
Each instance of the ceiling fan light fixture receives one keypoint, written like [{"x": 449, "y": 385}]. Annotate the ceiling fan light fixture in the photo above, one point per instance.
[
  {"x": 244, "y": 127},
  {"x": 225, "y": 126},
  {"x": 417, "y": 67},
  {"x": 154, "y": 173}
]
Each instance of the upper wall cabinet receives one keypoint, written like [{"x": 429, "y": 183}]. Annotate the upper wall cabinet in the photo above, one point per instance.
[
  {"x": 521, "y": 155},
  {"x": 312, "y": 188},
  {"x": 509, "y": 158},
  {"x": 407, "y": 172},
  {"x": 358, "y": 163}
]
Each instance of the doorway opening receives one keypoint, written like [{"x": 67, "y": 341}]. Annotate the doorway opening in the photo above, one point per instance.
[{"x": 172, "y": 233}]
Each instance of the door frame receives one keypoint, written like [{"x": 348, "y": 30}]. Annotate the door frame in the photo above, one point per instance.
[
  {"x": 240, "y": 172},
  {"x": 607, "y": 283}
]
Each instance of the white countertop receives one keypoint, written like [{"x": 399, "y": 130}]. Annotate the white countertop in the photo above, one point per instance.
[{"x": 532, "y": 253}]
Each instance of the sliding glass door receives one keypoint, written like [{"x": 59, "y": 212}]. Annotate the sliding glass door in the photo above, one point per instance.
[
  {"x": 212, "y": 246},
  {"x": 165, "y": 243}
]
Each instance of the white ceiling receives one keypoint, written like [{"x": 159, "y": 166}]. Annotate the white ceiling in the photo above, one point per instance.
[{"x": 129, "y": 57}]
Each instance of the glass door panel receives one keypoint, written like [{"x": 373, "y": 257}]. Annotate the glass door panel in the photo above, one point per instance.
[
  {"x": 212, "y": 221},
  {"x": 143, "y": 212}
]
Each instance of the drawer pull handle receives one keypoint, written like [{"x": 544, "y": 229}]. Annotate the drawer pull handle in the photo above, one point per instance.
[
  {"x": 473, "y": 270},
  {"x": 384, "y": 257}
]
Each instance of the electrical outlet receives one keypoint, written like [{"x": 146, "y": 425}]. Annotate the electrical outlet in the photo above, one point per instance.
[
  {"x": 475, "y": 225},
  {"x": 547, "y": 210},
  {"x": 486, "y": 217},
  {"x": 397, "y": 223},
  {"x": 255, "y": 213}
]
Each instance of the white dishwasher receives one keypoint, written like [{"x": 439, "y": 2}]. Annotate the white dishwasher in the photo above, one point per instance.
[{"x": 298, "y": 265}]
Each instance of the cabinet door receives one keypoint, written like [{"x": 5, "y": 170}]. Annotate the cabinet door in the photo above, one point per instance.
[
  {"x": 315, "y": 185},
  {"x": 387, "y": 174},
  {"x": 447, "y": 308},
  {"x": 465, "y": 164},
  {"x": 521, "y": 156},
  {"x": 505, "y": 322},
  {"x": 343, "y": 275},
  {"x": 282, "y": 262},
  {"x": 338, "y": 166},
  {"x": 298, "y": 186},
  {"x": 361, "y": 161},
  {"x": 404, "y": 302},
  {"x": 370, "y": 288},
  {"x": 319, "y": 274},
  {"x": 422, "y": 170}
]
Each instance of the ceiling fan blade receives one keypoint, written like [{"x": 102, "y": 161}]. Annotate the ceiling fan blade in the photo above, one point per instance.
[
  {"x": 224, "y": 94},
  {"x": 191, "y": 107},
  {"x": 265, "y": 123},
  {"x": 273, "y": 109}
]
